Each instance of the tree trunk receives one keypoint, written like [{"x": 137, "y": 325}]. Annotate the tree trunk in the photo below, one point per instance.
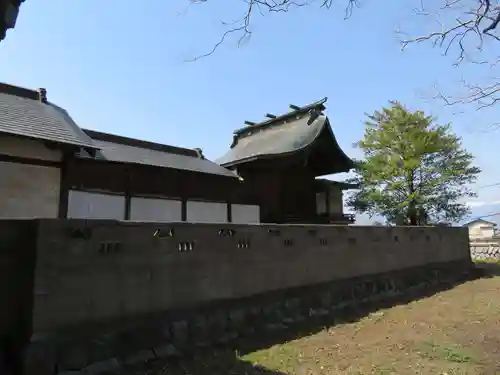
[
  {"x": 412, "y": 214},
  {"x": 412, "y": 209}
]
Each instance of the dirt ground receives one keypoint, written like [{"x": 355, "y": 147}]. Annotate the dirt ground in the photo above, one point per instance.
[{"x": 452, "y": 332}]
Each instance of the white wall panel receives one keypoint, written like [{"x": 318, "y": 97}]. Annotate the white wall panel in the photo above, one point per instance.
[
  {"x": 154, "y": 209},
  {"x": 206, "y": 212},
  {"x": 336, "y": 204},
  {"x": 245, "y": 214},
  {"x": 29, "y": 191},
  {"x": 28, "y": 148},
  {"x": 321, "y": 203},
  {"x": 87, "y": 205}
]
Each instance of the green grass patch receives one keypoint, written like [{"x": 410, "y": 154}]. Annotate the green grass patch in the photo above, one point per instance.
[
  {"x": 278, "y": 357},
  {"x": 449, "y": 353},
  {"x": 488, "y": 261},
  {"x": 384, "y": 371},
  {"x": 378, "y": 371}
]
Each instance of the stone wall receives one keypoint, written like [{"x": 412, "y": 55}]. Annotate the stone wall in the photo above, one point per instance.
[
  {"x": 107, "y": 293},
  {"x": 116, "y": 344},
  {"x": 487, "y": 251}
]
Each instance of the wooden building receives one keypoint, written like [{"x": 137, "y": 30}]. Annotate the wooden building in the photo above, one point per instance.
[
  {"x": 50, "y": 167},
  {"x": 9, "y": 10},
  {"x": 279, "y": 160}
]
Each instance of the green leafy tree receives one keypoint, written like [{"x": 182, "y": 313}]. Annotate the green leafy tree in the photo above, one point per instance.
[{"x": 414, "y": 171}]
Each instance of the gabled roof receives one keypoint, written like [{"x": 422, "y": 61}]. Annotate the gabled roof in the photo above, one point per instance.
[
  {"x": 284, "y": 135},
  {"x": 120, "y": 149},
  {"x": 480, "y": 221},
  {"x": 22, "y": 113}
]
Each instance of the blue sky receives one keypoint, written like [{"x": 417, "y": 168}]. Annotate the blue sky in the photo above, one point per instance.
[{"x": 122, "y": 69}]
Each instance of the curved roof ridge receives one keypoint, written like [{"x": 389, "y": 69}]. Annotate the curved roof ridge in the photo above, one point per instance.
[
  {"x": 281, "y": 141},
  {"x": 277, "y": 119}
]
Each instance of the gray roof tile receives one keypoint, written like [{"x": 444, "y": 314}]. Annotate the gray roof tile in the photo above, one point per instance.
[
  {"x": 34, "y": 119},
  {"x": 281, "y": 139},
  {"x": 276, "y": 140},
  {"x": 123, "y": 153},
  {"x": 285, "y": 134}
]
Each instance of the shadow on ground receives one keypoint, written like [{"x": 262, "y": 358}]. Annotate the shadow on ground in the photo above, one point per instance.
[
  {"x": 219, "y": 363},
  {"x": 489, "y": 269},
  {"x": 227, "y": 360}
]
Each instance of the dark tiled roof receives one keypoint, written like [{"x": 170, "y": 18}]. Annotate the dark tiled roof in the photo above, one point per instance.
[
  {"x": 127, "y": 150},
  {"x": 31, "y": 118},
  {"x": 282, "y": 135}
]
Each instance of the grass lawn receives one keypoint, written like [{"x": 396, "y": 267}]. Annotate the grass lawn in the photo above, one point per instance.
[{"x": 452, "y": 332}]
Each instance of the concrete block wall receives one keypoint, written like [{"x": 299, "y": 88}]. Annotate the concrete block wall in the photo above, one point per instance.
[
  {"x": 96, "y": 270},
  {"x": 98, "y": 294}
]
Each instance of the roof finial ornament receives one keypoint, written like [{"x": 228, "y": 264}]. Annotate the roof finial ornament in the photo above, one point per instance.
[
  {"x": 313, "y": 115},
  {"x": 42, "y": 95},
  {"x": 199, "y": 153},
  {"x": 235, "y": 141}
]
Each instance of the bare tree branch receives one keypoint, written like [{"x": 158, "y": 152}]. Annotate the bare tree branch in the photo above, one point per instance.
[
  {"x": 243, "y": 29},
  {"x": 465, "y": 26},
  {"x": 242, "y": 26},
  {"x": 463, "y": 29}
]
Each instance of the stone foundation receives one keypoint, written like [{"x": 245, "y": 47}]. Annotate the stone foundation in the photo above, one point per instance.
[
  {"x": 108, "y": 346},
  {"x": 487, "y": 252}
]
